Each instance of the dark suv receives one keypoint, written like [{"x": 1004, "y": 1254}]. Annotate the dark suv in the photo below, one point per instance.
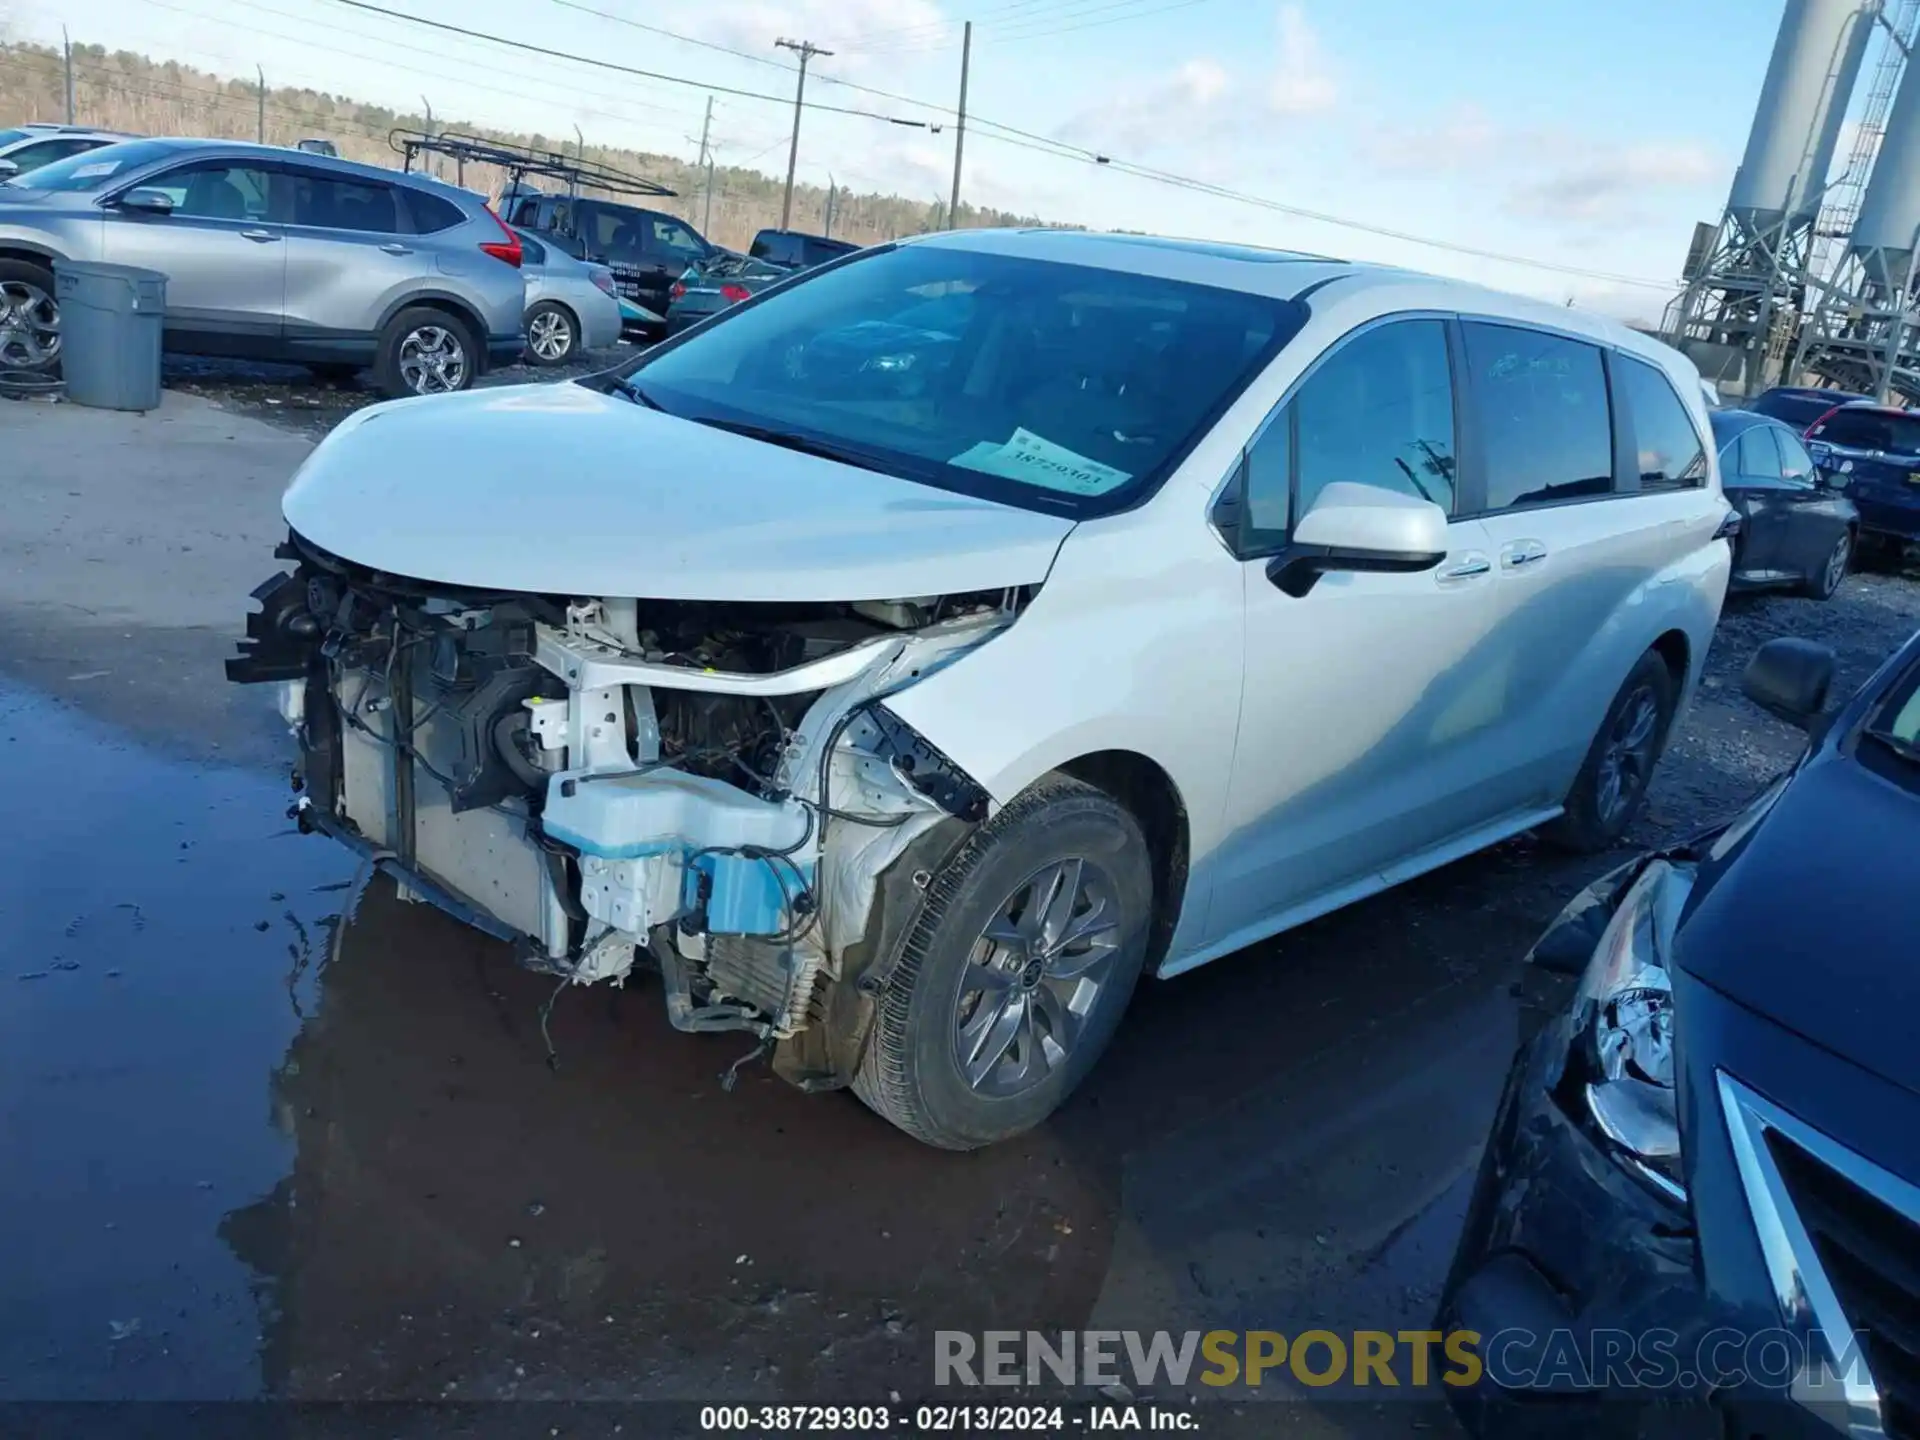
[
  {"x": 795, "y": 250},
  {"x": 647, "y": 250}
]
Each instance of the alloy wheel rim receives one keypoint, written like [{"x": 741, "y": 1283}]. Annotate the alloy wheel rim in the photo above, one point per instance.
[
  {"x": 550, "y": 336},
  {"x": 29, "y": 326},
  {"x": 1837, "y": 564},
  {"x": 432, "y": 360},
  {"x": 1627, "y": 760},
  {"x": 1033, "y": 977}
]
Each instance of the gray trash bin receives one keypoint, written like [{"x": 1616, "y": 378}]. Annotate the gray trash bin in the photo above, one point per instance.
[{"x": 110, "y": 322}]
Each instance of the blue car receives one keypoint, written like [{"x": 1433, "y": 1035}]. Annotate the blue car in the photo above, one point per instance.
[
  {"x": 1876, "y": 449},
  {"x": 1701, "y": 1196}
]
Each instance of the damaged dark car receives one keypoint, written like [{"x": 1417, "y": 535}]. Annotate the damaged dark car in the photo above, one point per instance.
[{"x": 1701, "y": 1195}]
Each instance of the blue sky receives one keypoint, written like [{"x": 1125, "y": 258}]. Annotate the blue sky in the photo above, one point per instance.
[{"x": 1584, "y": 135}]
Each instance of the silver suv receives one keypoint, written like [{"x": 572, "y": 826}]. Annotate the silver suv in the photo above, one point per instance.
[{"x": 271, "y": 254}]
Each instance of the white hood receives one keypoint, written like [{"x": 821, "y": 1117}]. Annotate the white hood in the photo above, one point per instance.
[{"x": 563, "y": 490}]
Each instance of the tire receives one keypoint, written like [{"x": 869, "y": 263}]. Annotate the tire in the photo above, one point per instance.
[
  {"x": 1593, "y": 822},
  {"x": 553, "y": 334},
  {"x": 1824, "y": 583},
  {"x": 932, "y": 1019},
  {"x": 424, "y": 351},
  {"x": 29, "y": 318}
]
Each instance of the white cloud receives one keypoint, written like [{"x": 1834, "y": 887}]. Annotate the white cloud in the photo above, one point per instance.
[
  {"x": 1607, "y": 182},
  {"x": 1303, "y": 80},
  {"x": 1168, "y": 113}
]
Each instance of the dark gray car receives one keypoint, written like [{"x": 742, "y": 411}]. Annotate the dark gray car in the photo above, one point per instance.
[
  {"x": 1796, "y": 528},
  {"x": 271, "y": 254}
]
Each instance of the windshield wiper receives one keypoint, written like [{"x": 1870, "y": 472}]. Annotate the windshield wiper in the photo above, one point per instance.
[
  {"x": 788, "y": 440},
  {"x": 622, "y": 386},
  {"x": 1907, "y": 750}
]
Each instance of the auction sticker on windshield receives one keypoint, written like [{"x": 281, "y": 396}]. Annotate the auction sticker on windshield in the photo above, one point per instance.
[{"x": 1026, "y": 456}]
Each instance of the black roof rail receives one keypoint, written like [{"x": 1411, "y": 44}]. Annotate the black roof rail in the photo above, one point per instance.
[{"x": 519, "y": 161}]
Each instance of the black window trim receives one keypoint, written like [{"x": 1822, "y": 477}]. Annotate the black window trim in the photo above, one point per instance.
[
  {"x": 402, "y": 212},
  {"x": 1226, "y": 506}
]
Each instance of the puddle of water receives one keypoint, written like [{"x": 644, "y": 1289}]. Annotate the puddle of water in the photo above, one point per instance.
[{"x": 152, "y": 911}]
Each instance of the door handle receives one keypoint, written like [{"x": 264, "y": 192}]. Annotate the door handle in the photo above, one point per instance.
[
  {"x": 1467, "y": 567},
  {"x": 259, "y": 237},
  {"x": 1522, "y": 553},
  {"x": 392, "y": 249}
]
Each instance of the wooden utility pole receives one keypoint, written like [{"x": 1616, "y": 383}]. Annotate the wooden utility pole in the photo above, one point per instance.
[
  {"x": 806, "y": 50},
  {"x": 960, "y": 130},
  {"x": 706, "y": 127}
]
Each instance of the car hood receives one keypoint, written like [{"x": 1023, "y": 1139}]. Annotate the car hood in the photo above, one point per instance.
[
  {"x": 1811, "y": 920},
  {"x": 564, "y": 490}
]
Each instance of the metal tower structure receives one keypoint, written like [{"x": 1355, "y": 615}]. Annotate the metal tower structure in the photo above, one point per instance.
[
  {"x": 1747, "y": 281},
  {"x": 1858, "y": 333}
]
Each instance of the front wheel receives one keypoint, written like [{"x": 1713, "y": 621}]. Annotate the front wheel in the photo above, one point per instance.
[
  {"x": 553, "y": 335},
  {"x": 425, "y": 352},
  {"x": 1825, "y": 581},
  {"x": 1612, "y": 783},
  {"x": 1016, "y": 972},
  {"x": 29, "y": 317}
]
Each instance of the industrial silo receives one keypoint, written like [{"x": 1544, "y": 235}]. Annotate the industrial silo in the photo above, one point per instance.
[
  {"x": 1884, "y": 235},
  {"x": 1816, "y": 59}
]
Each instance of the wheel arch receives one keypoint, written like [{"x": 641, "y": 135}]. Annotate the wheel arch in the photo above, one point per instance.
[
  {"x": 1144, "y": 787},
  {"x": 1677, "y": 650},
  {"x": 446, "y": 303},
  {"x": 26, "y": 253}
]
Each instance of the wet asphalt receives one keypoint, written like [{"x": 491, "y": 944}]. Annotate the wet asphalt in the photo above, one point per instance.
[{"x": 272, "y": 1132}]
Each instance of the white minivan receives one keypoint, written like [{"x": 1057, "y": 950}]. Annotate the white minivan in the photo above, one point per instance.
[{"x": 903, "y": 662}]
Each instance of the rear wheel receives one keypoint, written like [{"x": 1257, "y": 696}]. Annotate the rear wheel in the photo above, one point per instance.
[
  {"x": 425, "y": 352},
  {"x": 29, "y": 317},
  {"x": 553, "y": 335},
  {"x": 1612, "y": 783},
  {"x": 1822, "y": 583},
  {"x": 1016, "y": 972}
]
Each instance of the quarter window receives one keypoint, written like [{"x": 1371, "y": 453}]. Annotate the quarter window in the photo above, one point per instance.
[
  {"x": 1542, "y": 399},
  {"x": 431, "y": 212},
  {"x": 1668, "y": 449}
]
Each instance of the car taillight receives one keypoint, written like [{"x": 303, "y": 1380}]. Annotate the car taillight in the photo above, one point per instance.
[
  {"x": 679, "y": 290},
  {"x": 507, "y": 247},
  {"x": 603, "y": 280},
  {"x": 734, "y": 294}
]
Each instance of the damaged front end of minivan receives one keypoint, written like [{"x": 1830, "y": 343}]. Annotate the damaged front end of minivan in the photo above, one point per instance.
[{"x": 717, "y": 789}]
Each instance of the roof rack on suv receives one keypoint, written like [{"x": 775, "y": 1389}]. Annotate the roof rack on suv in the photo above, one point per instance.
[{"x": 519, "y": 161}]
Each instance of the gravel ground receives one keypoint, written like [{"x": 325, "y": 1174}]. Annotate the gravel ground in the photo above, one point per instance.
[{"x": 293, "y": 398}]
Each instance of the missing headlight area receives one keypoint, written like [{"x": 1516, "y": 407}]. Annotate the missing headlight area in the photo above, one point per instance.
[{"x": 718, "y": 788}]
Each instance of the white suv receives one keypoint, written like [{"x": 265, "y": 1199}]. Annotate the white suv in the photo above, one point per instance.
[{"x": 904, "y": 662}]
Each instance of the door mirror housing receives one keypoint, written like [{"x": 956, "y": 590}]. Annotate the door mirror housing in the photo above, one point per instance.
[
  {"x": 146, "y": 201},
  {"x": 1790, "y": 678},
  {"x": 8, "y": 169},
  {"x": 1360, "y": 528}
]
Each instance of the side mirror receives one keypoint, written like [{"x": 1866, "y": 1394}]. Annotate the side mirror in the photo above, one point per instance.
[
  {"x": 8, "y": 169},
  {"x": 1790, "y": 678},
  {"x": 1361, "y": 528},
  {"x": 146, "y": 201}
]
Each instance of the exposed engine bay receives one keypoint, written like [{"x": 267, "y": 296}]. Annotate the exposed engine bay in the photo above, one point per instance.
[{"x": 716, "y": 788}]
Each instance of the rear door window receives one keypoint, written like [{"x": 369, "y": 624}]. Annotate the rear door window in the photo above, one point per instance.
[
  {"x": 335, "y": 202},
  {"x": 1667, "y": 448},
  {"x": 1546, "y": 427},
  {"x": 1758, "y": 457}
]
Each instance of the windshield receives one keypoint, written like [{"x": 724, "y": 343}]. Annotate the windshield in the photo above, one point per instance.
[
  {"x": 1054, "y": 387},
  {"x": 1871, "y": 430},
  {"x": 95, "y": 169}
]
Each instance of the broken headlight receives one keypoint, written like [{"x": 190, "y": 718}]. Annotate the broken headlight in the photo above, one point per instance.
[{"x": 1623, "y": 1029}]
